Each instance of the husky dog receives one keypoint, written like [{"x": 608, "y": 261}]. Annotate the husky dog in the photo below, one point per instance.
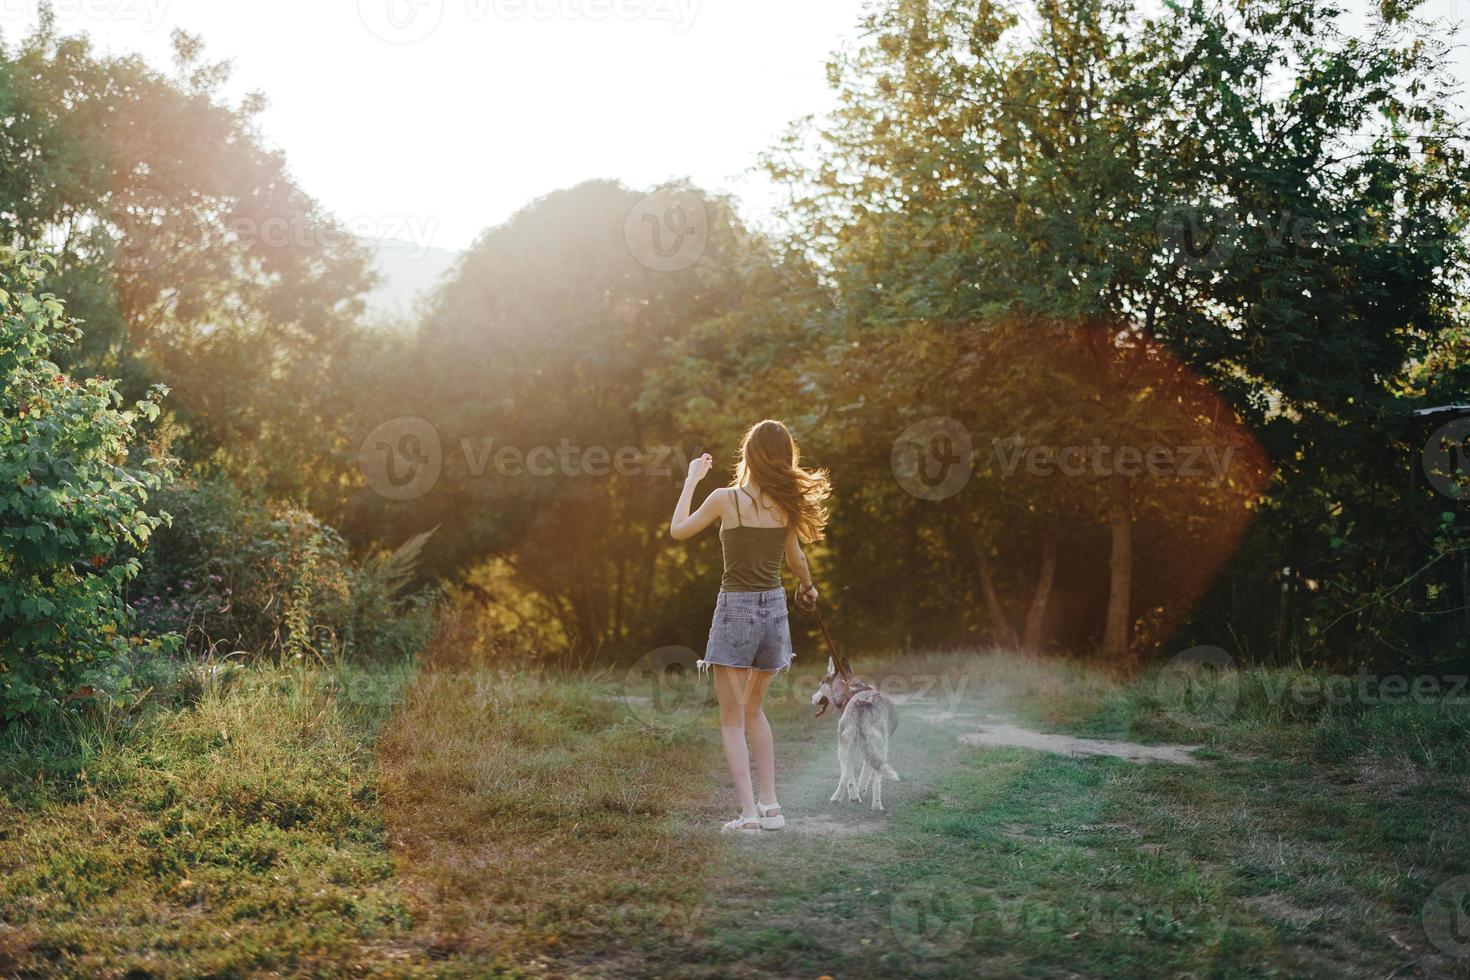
[{"x": 867, "y": 719}]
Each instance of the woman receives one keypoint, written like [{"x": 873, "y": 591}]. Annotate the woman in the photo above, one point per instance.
[{"x": 771, "y": 508}]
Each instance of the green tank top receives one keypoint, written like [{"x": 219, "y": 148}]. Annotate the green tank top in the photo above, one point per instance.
[{"x": 752, "y": 555}]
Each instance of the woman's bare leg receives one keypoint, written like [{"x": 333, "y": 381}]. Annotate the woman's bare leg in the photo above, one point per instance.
[
  {"x": 731, "y": 688},
  {"x": 758, "y": 730}
]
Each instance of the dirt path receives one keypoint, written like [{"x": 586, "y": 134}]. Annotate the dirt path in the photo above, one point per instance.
[{"x": 1007, "y": 734}]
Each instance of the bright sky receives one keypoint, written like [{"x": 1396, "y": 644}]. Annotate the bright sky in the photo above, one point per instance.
[
  {"x": 438, "y": 118},
  {"x": 429, "y": 120}
]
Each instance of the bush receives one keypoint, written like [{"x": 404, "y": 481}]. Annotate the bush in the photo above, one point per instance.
[
  {"x": 71, "y": 507},
  {"x": 236, "y": 572}
]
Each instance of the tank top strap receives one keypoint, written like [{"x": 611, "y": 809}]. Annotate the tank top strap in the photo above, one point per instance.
[
  {"x": 738, "y": 521},
  {"x": 753, "y": 502}
]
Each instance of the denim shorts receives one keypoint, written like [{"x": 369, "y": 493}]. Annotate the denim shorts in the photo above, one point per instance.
[{"x": 749, "y": 629}]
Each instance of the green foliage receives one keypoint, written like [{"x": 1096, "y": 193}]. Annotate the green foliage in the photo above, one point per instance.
[
  {"x": 1207, "y": 222},
  {"x": 1246, "y": 188},
  {"x": 237, "y": 572},
  {"x": 187, "y": 249},
  {"x": 72, "y": 495},
  {"x": 541, "y": 343}
]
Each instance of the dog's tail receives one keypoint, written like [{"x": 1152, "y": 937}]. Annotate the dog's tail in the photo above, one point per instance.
[{"x": 876, "y": 752}]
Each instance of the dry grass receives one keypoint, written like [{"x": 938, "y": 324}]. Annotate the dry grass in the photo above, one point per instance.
[
  {"x": 234, "y": 835},
  {"x": 515, "y": 823},
  {"x": 532, "y": 821}
]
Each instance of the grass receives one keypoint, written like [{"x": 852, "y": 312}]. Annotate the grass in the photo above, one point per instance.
[
  {"x": 232, "y": 833},
  {"x": 507, "y": 823}
]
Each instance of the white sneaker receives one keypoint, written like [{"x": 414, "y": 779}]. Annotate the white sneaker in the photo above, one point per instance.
[
  {"x": 742, "y": 825},
  {"x": 770, "y": 816}
]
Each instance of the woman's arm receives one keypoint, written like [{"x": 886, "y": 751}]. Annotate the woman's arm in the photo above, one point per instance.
[
  {"x": 806, "y": 593},
  {"x": 683, "y": 524}
]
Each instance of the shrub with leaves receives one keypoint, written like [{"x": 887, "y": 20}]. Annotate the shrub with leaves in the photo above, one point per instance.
[
  {"x": 72, "y": 499},
  {"x": 235, "y": 571}
]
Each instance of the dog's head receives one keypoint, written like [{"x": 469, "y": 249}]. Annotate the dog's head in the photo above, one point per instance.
[{"x": 836, "y": 687}]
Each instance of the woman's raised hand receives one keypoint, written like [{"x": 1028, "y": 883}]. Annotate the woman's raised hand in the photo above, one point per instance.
[{"x": 699, "y": 468}]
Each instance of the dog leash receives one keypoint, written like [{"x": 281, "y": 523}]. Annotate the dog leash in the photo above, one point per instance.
[{"x": 822, "y": 625}]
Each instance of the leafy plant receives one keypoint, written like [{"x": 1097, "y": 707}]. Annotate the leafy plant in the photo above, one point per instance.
[
  {"x": 72, "y": 500},
  {"x": 237, "y": 572}
]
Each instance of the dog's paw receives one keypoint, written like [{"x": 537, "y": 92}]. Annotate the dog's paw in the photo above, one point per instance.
[
  {"x": 836, "y": 797},
  {"x": 853, "y": 794}
]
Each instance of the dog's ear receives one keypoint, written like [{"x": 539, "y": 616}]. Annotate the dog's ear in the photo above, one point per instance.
[
  {"x": 846, "y": 669},
  {"x": 831, "y": 667}
]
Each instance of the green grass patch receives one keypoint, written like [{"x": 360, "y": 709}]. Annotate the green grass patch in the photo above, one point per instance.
[
  {"x": 233, "y": 833},
  {"x": 464, "y": 820}
]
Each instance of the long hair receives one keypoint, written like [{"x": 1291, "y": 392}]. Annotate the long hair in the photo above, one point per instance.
[{"x": 768, "y": 455}]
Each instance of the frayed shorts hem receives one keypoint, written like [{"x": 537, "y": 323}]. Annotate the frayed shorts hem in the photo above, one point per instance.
[{"x": 705, "y": 665}]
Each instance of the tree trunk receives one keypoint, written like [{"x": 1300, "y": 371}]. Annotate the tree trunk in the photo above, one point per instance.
[
  {"x": 1120, "y": 569},
  {"x": 1002, "y": 632},
  {"x": 1036, "y": 614}
]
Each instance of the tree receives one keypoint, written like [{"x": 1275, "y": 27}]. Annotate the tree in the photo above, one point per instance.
[
  {"x": 1119, "y": 182},
  {"x": 530, "y": 368},
  {"x": 186, "y": 248}
]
